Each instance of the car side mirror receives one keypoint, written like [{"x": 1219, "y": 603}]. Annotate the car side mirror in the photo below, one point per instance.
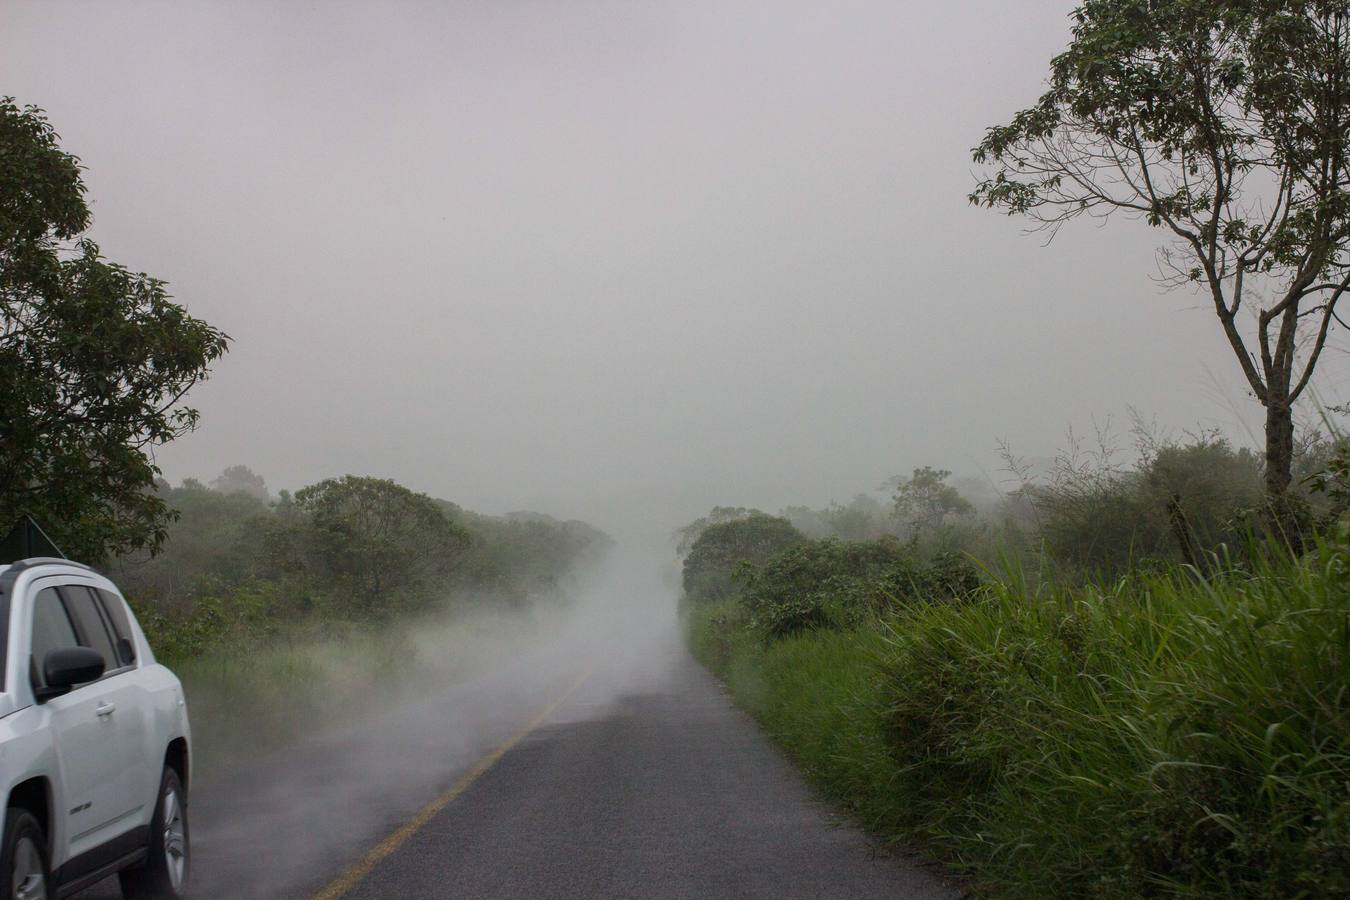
[{"x": 66, "y": 667}]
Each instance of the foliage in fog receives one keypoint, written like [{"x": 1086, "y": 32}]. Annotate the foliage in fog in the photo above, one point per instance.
[
  {"x": 925, "y": 501},
  {"x": 378, "y": 536},
  {"x": 94, "y": 359},
  {"x": 686, "y": 536},
  {"x": 722, "y": 548},
  {"x": 348, "y": 549},
  {"x": 834, "y": 584},
  {"x": 1099, "y": 516},
  {"x": 243, "y": 480},
  {"x": 1177, "y": 502},
  {"x": 864, "y": 518},
  {"x": 520, "y": 552},
  {"x": 1090, "y": 511}
]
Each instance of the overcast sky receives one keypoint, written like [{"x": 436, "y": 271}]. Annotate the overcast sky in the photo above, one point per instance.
[{"x": 609, "y": 260}]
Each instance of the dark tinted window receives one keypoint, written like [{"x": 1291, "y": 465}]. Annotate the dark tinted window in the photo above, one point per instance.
[
  {"x": 90, "y": 623},
  {"x": 51, "y": 630},
  {"x": 117, "y": 617}
]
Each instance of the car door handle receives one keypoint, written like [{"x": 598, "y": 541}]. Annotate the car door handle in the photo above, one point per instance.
[{"x": 105, "y": 709}]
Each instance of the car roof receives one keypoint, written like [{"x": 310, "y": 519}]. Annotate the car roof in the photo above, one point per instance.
[{"x": 10, "y": 571}]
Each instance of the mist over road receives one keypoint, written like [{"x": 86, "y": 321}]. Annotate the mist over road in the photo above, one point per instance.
[{"x": 642, "y": 780}]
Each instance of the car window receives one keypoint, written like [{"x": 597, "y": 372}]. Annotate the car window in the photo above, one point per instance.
[
  {"x": 90, "y": 624},
  {"x": 117, "y": 618},
  {"x": 52, "y": 630}
]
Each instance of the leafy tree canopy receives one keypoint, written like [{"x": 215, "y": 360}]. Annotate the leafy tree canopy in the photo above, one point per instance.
[
  {"x": 94, "y": 359},
  {"x": 380, "y": 535},
  {"x": 925, "y": 499},
  {"x": 686, "y": 536},
  {"x": 243, "y": 480},
  {"x": 1226, "y": 124}
]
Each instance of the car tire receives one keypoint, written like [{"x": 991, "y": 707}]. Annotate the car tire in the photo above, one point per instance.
[
  {"x": 164, "y": 874},
  {"x": 25, "y": 871}
]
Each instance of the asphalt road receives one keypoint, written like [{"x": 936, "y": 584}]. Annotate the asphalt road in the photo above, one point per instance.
[
  {"x": 639, "y": 779},
  {"x": 669, "y": 792}
]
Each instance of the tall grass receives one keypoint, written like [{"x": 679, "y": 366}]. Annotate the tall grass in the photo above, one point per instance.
[
  {"x": 1162, "y": 734},
  {"x": 262, "y": 693},
  {"x": 817, "y": 694},
  {"x": 263, "y": 696}
]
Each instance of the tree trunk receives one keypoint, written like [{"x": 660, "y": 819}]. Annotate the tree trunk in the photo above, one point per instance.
[
  {"x": 1181, "y": 529},
  {"x": 1283, "y": 517},
  {"x": 1279, "y": 449}
]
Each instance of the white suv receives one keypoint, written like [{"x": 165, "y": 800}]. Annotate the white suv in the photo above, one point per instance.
[{"x": 94, "y": 742}]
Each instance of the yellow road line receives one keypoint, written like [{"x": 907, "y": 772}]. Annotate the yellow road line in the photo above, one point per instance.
[{"x": 353, "y": 875}]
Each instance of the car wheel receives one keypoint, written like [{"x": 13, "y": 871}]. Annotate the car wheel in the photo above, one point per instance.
[
  {"x": 164, "y": 874},
  {"x": 23, "y": 857}
]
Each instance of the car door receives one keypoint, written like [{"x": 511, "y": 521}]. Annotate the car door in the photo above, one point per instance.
[
  {"x": 135, "y": 697},
  {"x": 84, "y": 729},
  {"x": 125, "y": 708}
]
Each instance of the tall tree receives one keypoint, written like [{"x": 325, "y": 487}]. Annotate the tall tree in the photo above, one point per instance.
[
  {"x": 925, "y": 500},
  {"x": 380, "y": 536},
  {"x": 94, "y": 360},
  {"x": 241, "y": 479},
  {"x": 1226, "y": 124}
]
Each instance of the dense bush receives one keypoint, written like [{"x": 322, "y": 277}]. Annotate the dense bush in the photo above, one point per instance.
[
  {"x": 837, "y": 584},
  {"x": 1177, "y": 503},
  {"x": 218, "y": 615},
  {"x": 721, "y": 548}
]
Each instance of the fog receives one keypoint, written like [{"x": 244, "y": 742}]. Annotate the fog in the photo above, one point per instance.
[
  {"x": 285, "y": 821},
  {"x": 610, "y": 261}
]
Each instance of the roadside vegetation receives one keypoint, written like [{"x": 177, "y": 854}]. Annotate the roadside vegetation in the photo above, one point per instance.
[
  {"x": 239, "y": 565},
  {"x": 280, "y": 612},
  {"x": 276, "y": 611},
  {"x": 1144, "y": 691},
  {"x": 1086, "y": 687}
]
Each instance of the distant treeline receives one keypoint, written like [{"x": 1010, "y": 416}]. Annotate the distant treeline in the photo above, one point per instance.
[
  {"x": 239, "y": 563},
  {"x": 1085, "y": 513}
]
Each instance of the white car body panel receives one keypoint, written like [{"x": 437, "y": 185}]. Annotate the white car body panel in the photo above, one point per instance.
[{"x": 102, "y": 772}]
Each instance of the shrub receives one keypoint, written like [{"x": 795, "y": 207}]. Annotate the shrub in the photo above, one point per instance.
[
  {"x": 841, "y": 584},
  {"x": 1179, "y": 503},
  {"x": 721, "y": 548},
  {"x": 216, "y": 616}
]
